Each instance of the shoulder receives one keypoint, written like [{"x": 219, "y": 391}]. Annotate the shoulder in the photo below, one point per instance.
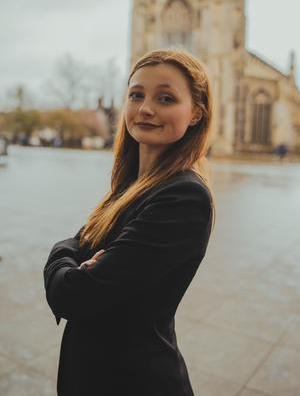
[
  {"x": 185, "y": 185},
  {"x": 183, "y": 196}
]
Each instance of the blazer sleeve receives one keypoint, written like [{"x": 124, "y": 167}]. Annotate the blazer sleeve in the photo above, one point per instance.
[{"x": 172, "y": 228}]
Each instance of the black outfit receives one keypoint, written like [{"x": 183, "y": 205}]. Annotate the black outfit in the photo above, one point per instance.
[{"x": 120, "y": 337}]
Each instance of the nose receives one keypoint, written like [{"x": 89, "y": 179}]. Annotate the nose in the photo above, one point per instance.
[{"x": 146, "y": 109}]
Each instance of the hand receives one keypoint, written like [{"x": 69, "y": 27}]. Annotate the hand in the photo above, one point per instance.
[{"x": 92, "y": 261}]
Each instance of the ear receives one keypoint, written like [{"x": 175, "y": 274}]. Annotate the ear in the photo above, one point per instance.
[{"x": 196, "y": 117}]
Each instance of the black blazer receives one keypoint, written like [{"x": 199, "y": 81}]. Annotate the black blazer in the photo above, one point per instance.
[{"x": 120, "y": 337}]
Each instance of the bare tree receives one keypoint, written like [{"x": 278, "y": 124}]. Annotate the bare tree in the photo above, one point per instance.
[
  {"x": 67, "y": 84},
  {"x": 111, "y": 75},
  {"x": 19, "y": 97},
  {"x": 104, "y": 81},
  {"x": 76, "y": 85}
]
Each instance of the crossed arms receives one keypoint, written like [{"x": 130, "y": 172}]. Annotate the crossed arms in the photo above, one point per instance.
[{"x": 172, "y": 228}]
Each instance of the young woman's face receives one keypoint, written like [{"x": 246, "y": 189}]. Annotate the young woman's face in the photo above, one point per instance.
[{"x": 159, "y": 105}]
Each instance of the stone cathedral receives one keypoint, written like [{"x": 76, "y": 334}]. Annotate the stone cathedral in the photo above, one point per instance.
[{"x": 256, "y": 105}]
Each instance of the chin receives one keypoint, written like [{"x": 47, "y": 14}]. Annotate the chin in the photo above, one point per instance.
[{"x": 144, "y": 137}]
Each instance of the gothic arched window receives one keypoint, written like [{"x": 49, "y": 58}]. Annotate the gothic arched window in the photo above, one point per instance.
[
  {"x": 261, "y": 118},
  {"x": 176, "y": 21}
]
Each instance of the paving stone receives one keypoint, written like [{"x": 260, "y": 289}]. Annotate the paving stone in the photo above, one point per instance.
[
  {"x": 263, "y": 320},
  {"x": 23, "y": 382},
  {"x": 25, "y": 338},
  {"x": 199, "y": 302},
  {"x": 224, "y": 353},
  {"x": 291, "y": 337},
  {"x": 210, "y": 385},
  {"x": 279, "y": 374},
  {"x": 251, "y": 392},
  {"x": 47, "y": 363},
  {"x": 6, "y": 365}
]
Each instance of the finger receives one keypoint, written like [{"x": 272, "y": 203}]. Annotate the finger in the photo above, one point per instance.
[
  {"x": 82, "y": 265},
  {"x": 87, "y": 263},
  {"x": 93, "y": 260},
  {"x": 98, "y": 254}
]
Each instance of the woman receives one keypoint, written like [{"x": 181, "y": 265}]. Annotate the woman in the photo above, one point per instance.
[{"x": 119, "y": 281}]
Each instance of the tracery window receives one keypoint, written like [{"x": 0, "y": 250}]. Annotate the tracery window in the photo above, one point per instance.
[
  {"x": 177, "y": 24},
  {"x": 261, "y": 118}
]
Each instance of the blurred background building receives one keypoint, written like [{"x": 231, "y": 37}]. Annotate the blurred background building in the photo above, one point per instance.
[{"x": 257, "y": 106}]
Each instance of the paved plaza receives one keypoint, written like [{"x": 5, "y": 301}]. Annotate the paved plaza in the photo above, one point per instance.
[{"x": 238, "y": 326}]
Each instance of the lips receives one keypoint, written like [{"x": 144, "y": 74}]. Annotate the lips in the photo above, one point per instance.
[{"x": 147, "y": 125}]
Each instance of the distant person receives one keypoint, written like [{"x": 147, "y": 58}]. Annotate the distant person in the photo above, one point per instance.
[
  {"x": 120, "y": 279},
  {"x": 3, "y": 145},
  {"x": 23, "y": 139},
  {"x": 281, "y": 151},
  {"x": 57, "y": 141}
]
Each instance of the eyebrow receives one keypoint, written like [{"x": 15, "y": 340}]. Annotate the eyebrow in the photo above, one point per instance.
[{"x": 159, "y": 86}]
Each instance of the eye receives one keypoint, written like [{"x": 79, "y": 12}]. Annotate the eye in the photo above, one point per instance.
[
  {"x": 136, "y": 95},
  {"x": 166, "y": 99}
]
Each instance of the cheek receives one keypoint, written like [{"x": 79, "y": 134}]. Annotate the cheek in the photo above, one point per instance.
[
  {"x": 179, "y": 119},
  {"x": 128, "y": 114}
]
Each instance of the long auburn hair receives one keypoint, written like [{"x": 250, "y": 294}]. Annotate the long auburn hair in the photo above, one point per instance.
[{"x": 186, "y": 153}]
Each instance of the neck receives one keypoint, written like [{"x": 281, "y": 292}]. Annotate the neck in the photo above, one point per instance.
[{"x": 147, "y": 156}]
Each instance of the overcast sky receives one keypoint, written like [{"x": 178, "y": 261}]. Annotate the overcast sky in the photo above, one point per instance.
[{"x": 34, "y": 34}]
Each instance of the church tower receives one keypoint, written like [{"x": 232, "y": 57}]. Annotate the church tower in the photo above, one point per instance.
[{"x": 214, "y": 32}]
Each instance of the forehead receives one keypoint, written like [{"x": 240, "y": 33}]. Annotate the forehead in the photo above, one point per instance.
[{"x": 162, "y": 74}]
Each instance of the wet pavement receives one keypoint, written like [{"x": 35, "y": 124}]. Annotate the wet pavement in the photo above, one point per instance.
[{"x": 238, "y": 326}]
